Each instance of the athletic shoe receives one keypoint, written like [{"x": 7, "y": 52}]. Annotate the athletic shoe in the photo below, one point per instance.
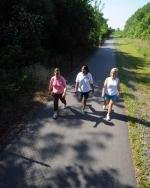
[
  {"x": 55, "y": 115},
  {"x": 82, "y": 111},
  {"x": 108, "y": 117}
]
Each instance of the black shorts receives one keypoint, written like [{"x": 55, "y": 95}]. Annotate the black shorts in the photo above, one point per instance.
[{"x": 84, "y": 94}]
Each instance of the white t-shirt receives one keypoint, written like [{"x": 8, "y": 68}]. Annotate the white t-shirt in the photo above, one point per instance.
[
  {"x": 84, "y": 81},
  {"x": 112, "y": 86}
]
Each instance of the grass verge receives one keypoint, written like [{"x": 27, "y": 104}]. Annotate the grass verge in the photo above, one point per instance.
[{"x": 133, "y": 60}]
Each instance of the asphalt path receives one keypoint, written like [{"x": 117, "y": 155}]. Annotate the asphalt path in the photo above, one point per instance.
[{"x": 74, "y": 151}]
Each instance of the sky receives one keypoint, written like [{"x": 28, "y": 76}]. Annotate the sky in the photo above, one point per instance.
[{"x": 118, "y": 11}]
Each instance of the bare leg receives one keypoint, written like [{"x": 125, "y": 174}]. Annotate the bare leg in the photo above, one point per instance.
[
  {"x": 110, "y": 106},
  {"x": 83, "y": 103},
  {"x": 106, "y": 102}
]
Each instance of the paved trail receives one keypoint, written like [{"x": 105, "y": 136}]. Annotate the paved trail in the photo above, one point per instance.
[{"x": 74, "y": 151}]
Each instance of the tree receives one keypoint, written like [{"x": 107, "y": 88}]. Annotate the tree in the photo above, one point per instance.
[{"x": 138, "y": 25}]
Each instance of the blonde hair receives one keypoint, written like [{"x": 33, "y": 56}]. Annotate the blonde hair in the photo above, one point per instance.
[{"x": 114, "y": 70}]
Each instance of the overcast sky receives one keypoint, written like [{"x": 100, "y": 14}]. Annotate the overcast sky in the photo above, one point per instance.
[{"x": 118, "y": 11}]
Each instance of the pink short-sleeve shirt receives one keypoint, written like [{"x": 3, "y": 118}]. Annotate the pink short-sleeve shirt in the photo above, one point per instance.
[{"x": 58, "y": 84}]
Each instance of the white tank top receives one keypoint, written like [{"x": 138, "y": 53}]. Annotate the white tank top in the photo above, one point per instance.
[{"x": 112, "y": 86}]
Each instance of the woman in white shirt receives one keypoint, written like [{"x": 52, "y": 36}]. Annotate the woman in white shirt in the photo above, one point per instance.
[
  {"x": 110, "y": 91},
  {"x": 84, "y": 84}
]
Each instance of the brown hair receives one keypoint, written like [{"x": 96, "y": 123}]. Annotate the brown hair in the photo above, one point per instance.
[{"x": 85, "y": 67}]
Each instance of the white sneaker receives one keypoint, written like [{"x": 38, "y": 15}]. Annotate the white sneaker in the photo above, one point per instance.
[
  {"x": 108, "y": 117},
  {"x": 82, "y": 111},
  {"x": 55, "y": 115},
  {"x": 104, "y": 107}
]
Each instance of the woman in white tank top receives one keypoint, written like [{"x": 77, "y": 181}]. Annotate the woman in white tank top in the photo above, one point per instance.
[{"x": 110, "y": 91}]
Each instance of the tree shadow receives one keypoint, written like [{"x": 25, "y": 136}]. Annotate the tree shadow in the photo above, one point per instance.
[
  {"x": 82, "y": 151},
  {"x": 131, "y": 77},
  {"x": 10, "y": 128},
  {"x": 12, "y": 174},
  {"x": 75, "y": 175},
  {"x": 28, "y": 170},
  {"x": 79, "y": 176}
]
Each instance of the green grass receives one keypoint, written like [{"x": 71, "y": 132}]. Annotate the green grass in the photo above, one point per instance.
[{"x": 133, "y": 60}]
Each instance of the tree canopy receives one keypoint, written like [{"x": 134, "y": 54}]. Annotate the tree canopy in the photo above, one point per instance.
[{"x": 138, "y": 25}]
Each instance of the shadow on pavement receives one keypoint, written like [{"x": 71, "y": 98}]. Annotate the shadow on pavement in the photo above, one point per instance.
[
  {"x": 99, "y": 117},
  {"x": 94, "y": 116},
  {"x": 79, "y": 176},
  {"x": 75, "y": 175}
]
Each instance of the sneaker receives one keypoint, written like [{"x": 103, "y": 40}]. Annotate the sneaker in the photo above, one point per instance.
[
  {"x": 104, "y": 107},
  {"x": 82, "y": 111},
  {"x": 65, "y": 106},
  {"x": 108, "y": 117},
  {"x": 55, "y": 115}
]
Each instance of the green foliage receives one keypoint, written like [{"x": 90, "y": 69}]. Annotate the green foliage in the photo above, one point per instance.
[
  {"x": 118, "y": 33},
  {"x": 138, "y": 25}
]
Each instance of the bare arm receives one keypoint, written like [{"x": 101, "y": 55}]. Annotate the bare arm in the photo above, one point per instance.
[
  {"x": 104, "y": 88},
  {"x": 76, "y": 86},
  {"x": 64, "y": 93},
  {"x": 50, "y": 87},
  {"x": 65, "y": 86},
  {"x": 119, "y": 88},
  {"x": 91, "y": 82}
]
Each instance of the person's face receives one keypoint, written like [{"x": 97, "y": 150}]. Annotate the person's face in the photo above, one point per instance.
[
  {"x": 114, "y": 74},
  {"x": 57, "y": 72},
  {"x": 83, "y": 70}
]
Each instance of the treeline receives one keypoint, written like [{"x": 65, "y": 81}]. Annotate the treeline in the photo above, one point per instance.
[
  {"x": 34, "y": 31},
  {"x": 138, "y": 25}
]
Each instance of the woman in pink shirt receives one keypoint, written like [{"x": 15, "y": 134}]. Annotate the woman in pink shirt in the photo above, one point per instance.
[{"x": 57, "y": 88}]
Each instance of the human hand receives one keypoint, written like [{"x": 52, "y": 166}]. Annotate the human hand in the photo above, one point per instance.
[
  {"x": 92, "y": 91},
  {"x": 49, "y": 92},
  {"x": 103, "y": 92},
  {"x": 102, "y": 95},
  {"x": 63, "y": 95},
  {"x": 120, "y": 95}
]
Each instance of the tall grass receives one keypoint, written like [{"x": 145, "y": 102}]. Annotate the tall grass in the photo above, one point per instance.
[{"x": 133, "y": 60}]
